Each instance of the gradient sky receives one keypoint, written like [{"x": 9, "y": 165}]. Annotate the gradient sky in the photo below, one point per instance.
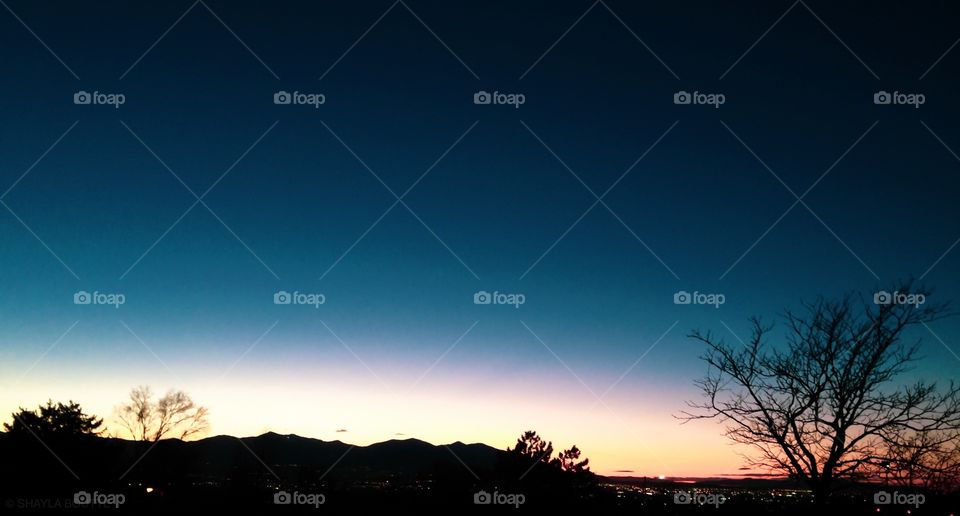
[{"x": 378, "y": 358}]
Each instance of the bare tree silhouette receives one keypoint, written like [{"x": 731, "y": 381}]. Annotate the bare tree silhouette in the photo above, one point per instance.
[
  {"x": 173, "y": 415},
  {"x": 827, "y": 403},
  {"x": 929, "y": 459}
]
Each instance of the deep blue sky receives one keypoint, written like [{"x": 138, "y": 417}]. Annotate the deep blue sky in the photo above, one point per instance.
[{"x": 799, "y": 99}]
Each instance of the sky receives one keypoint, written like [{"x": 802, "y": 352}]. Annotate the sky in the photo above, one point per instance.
[{"x": 298, "y": 198}]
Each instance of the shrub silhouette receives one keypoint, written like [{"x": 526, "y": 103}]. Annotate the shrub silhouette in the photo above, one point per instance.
[
  {"x": 51, "y": 421},
  {"x": 530, "y": 468}
]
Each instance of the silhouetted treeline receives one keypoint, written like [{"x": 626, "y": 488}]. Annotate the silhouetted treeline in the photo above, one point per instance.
[{"x": 227, "y": 471}]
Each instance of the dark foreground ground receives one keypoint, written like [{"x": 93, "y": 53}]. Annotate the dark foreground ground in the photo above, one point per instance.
[{"x": 274, "y": 473}]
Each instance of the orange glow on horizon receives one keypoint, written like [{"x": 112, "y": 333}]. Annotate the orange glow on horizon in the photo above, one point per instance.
[{"x": 625, "y": 437}]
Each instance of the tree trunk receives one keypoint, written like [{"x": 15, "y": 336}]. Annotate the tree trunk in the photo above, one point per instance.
[{"x": 821, "y": 494}]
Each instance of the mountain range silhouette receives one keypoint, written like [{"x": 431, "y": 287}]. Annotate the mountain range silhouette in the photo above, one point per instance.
[{"x": 250, "y": 470}]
